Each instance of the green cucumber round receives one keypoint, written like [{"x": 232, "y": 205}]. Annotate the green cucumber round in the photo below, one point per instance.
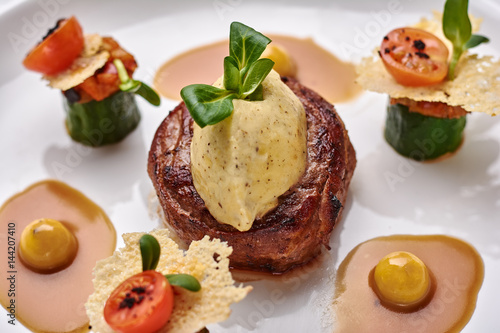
[
  {"x": 421, "y": 137},
  {"x": 99, "y": 123}
]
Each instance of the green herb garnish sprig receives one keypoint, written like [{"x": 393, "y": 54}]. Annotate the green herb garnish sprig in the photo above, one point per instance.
[
  {"x": 130, "y": 85},
  {"x": 150, "y": 254},
  {"x": 458, "y": 29},
  {"x": 243, "y": 76}
]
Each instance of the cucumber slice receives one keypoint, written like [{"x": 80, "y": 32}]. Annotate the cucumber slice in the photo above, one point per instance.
[
  {"x": 421, "y": 137},
  {"x": 99, "y": 123}
]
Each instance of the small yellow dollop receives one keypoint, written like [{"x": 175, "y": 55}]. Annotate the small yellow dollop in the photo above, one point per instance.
[
  {"x": 46, "y": 245},
  {"x": 402, "y": 279},
  {"x": 283, "y": 62}
]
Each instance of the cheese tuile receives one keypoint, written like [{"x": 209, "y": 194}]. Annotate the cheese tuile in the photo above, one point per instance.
[
  {"x": 206, "y": 260},
  {"x": 475, "y": 88},
  {"x": 90, "y": 60}
]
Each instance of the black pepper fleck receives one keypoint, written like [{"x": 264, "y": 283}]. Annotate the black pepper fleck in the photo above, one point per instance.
[
  {"x": 127, "y": 302},
  {"x": 418, "y": 44},
  {"x": 139, "y": 290},
  {"x": 422, "y": 55},
  {"x": 51, "y": 30}
]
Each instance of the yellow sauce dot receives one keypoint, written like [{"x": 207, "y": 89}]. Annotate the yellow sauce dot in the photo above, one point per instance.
[
  {"x": 283, "y": 62},
  {"x": 401, "y": 280},
  {"x": 46, "y": 245}
]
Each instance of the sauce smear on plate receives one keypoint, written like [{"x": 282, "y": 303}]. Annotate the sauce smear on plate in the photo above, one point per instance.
[
  {"x": 317, "y": 69},
  {"x": 457, "y": 271},
  {"x": 53, "y": 302}
]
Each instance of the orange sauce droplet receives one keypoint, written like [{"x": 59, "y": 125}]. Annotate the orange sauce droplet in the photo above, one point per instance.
[
  {"x": 457, "y": 271},
  {"x": 317, "y": 69},
  {"x": 53, "y": 302}
]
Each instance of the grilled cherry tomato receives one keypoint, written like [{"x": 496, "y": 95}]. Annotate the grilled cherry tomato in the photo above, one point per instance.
[
  {"x": 414, "y": 57},
  {"x": 142, "y": 303},
  {"x": 58, "y": 49}
]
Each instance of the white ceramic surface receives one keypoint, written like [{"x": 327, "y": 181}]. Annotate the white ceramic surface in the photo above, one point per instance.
[{"x": 458, "y": 197}]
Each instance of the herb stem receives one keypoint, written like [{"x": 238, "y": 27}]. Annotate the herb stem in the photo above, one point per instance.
[
  {"x": 458, "y": 29},
  {"x": 123, "y": 75},
  {"x": 137, "y": 87},
  {"x": 457, "y": 53}
]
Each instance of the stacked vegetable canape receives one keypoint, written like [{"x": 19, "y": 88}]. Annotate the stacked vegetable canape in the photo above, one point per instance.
[
  {"x": 430, "y": 92},
  {"x": 94, "y": 75}
]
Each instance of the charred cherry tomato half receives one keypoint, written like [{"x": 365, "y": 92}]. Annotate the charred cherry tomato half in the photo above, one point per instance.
[
  {"x": 414, "y": 57},
  {"x": 142, "y": 303},
  {"x": 58, "y": 50}
]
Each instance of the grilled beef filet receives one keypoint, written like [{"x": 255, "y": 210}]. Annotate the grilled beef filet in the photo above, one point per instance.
[{"x": 290, "y": 234}]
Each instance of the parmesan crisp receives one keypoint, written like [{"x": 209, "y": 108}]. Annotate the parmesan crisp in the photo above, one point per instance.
[
  {"x": 206, "y": 260},
  {"x": 476, "y": 86},
  {"x": 90, "y": 60}
]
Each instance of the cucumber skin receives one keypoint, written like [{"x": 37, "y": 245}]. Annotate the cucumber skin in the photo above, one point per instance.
[
  {"x": 99, "y": 123},
  {"x": 421, "y": 137}
]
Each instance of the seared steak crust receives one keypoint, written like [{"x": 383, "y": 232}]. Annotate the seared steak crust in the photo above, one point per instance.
[{"x": 289, "y": 235}]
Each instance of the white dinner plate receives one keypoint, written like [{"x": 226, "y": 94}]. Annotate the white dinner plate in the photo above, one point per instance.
[{"x": 458, "y": 197}]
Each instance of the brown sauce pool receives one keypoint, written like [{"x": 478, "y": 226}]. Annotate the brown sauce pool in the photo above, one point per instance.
[
  {"x": 53, "y": 302},
  {"x": 457, "y": 269},
  {"x": 317, "y": 69}
]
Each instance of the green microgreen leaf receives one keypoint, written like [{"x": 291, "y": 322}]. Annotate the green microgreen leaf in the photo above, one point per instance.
[
  {"x": 207, "y": 104},
  {"x": 245, "y": 44},
  {"x": 150, "y": 252},
  {"x": 139, "y": 88},
  {"x": 475, "y": 40},
  {"x": 243, "y": 76},
  {"x": 148, "y": 94},
  {"x": 456, "y": 23},
  {"x": 458, "y": 29},
  {"x": 231, "y": 74},
  {"x": 257, "y": 95},
  {"x": 256, "y": 74},
  {"x": 185, "y": 281}
]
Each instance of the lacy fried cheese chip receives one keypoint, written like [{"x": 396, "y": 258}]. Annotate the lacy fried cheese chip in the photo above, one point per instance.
[
  {"x": 206, "y": 260},
  {"x": 91, "y": 59},
  {"x": 476, "y": 86}
]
